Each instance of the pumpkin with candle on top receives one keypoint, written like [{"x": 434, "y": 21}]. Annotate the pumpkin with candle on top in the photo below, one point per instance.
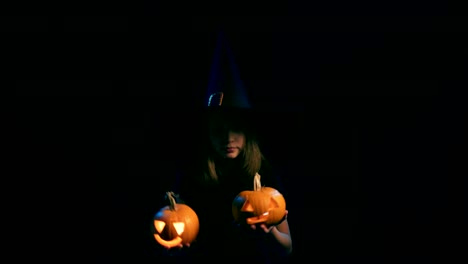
[
  {"x": 175, "y": 224},
  {"x": 262, "y": 205}
]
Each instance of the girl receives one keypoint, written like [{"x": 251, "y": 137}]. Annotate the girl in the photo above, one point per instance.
[{"x": 230, "y": 159}]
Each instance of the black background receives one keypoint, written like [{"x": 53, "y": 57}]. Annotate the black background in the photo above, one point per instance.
[{"x": 363, "y": 115}]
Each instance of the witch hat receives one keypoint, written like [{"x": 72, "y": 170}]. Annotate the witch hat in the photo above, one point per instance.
[{"x": 225, "y": 87}]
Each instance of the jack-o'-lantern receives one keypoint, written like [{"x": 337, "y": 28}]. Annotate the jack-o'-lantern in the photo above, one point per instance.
[
  {"x": 262, "y": 205},
  {"x": 175, "y": 224}
]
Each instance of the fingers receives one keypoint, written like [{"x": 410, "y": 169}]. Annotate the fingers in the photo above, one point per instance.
[
  {"x": 267, "y": 229},
  {"x": 262, "y": 227},
  {"x": 183, "y": 245},
  {"x": 178, "y": 246}
]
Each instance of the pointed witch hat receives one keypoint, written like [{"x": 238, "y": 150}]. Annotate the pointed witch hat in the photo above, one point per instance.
[
  {"x": 227, "y": 97},
  {"x": 225, "y": 87}
]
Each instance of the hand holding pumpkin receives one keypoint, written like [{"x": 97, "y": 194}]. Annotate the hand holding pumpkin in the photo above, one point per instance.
[
  {"x": 264, "y": 206},
  {"x": 175, "y": 225},
  {"x": 267, "y": 228}
]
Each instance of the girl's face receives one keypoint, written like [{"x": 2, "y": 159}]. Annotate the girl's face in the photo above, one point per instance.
[{"x": 227, "y": 142}]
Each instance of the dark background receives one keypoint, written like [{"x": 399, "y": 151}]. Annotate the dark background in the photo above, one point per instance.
[{"x": 363, "y": 115}]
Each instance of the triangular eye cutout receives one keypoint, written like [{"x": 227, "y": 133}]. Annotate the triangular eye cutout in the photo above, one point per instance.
[
  {"x": 159, "y": 225},
  {"x": 273, "y": 203},
  {"x": 247, "y": 207},
  {"x": 179, "y": 227}
]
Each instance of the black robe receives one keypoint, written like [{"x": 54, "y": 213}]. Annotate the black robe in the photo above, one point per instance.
[{"x": 212, "y": 201}]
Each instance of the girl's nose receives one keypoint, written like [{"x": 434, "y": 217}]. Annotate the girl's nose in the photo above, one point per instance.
[{"x": 230, "y": 137}]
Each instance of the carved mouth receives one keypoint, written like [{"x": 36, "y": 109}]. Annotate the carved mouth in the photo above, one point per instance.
[
  {"x": 257, "y": 219},
  {"x": 168, "y": 243}
]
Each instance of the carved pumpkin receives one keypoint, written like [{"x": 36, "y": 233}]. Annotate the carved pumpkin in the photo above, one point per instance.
[
  {"x": 263, "y": 205},
  {"x": 175, "y": 224}
]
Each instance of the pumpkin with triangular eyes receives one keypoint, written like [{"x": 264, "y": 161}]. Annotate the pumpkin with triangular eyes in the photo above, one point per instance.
[
  {"x": 263, "y": 205},
  {"x": 175, "y": 224}
]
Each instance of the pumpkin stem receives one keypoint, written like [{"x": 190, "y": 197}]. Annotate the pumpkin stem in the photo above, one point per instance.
[
  {"x": 172, "y": 201},
  {"x": 257, "y": 183}
]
